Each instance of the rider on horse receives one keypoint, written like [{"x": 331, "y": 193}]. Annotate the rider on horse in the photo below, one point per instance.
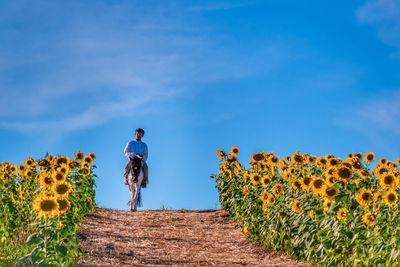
[{"x": 137, "y": 148}]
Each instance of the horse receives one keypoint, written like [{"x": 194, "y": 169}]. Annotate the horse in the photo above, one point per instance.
[{"x": 135, "y": 178}]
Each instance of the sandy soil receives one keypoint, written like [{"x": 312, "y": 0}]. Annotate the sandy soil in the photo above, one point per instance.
[{"x": 170, "y": 238}]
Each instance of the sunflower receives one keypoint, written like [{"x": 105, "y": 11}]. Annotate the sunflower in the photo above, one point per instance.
[
  {"x": 317, "y": 184},
  {"x": 330, "y": 180},
  {"x": 311, "y": 213},
  {"x": 369, "y": 157},
  {"x": 29, "y": 162},
  {"x": 344, "y": 173},
  {"x": 265, "y": 206},
  {"x": 92, "y": 155},
  {"x": 264, "y": 196},
  {"x": 265, "y": 180},
  {"x": 332, "y": 162},
  {"x": 42, "y": 163},
  {"x": 342, "y": 213},
  {"x": 297, "y": 184},
  {"x": 364, "y": 174},
  {"x": 368, "y": 218},
  {"x": 235, "y": 150},
  {"x": 380, "y": 170},
  {"x": 78, "y": 155},
  {"x": 271, "y": 199},
  {"x": 85, "y": 171},
  {"x": 13, "y": 169},
  {"x": 64, "y": 168},
  {"x": 257, "y": 157},
  {"x": 307, "y": 183},
  {"x": 46, "y": 181},
  {"x": 59, "y": 177},
  {"x": 246, "y": 189},
  {"x": 364, "y": 197},
  {"x": 390, "y": 197},
  {"x": 221, "y": 154},
  {"x": 87, "y": 159},
  {"x": 311, "y": 159},
  {"x": 72, "y": 165},
  {"x": 377, "y": 196},
  {"x": 273, "y": 159},
  {"x": 62, "y": 189},
  {"x": 63, "y": 205},
  {"x": 255, "y": 178},
  {"x": 28, "y": 173},
  {"x": 296, "y": 206},
  {"x": 329, "y": 156},
  {"x": 387, "y": 180},
  {"x": 288, "y": 159},
  {"x": 376, "y": 206},
  {"x": 277, "y": 190},
  {"x": 60, "y": 160},
  {"x": 398, "y": 161},
  {"x": 382, "y": 161},
  {"x": 328, "y": 203},
  {"x": 357, "y": 166},
  {"x": 50, "y": 157},
  {"x": 321, "y": 161},
  {"x": 297, "y": 159},
  {"x": 46, "y": 206},
  {"x": 329, "y": 193},
  {"x": 21, "y": 168}
]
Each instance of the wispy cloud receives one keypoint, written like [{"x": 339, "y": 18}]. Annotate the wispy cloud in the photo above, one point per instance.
[
  {"x": 376, "y": 117},
  {"x": 384, "y": 15},
  {"x": 64, "y": 68}
]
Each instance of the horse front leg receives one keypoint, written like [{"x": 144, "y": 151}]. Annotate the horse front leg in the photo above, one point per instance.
[{"x": 132, "y": 188}]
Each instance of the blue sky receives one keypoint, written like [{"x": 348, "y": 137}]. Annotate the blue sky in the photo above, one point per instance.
[{"x": 198, "y": 76}]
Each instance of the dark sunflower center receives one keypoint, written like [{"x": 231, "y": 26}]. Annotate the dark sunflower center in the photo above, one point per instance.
[
  {"x": 391, "y": 198},
  {"x": 235, "y": 151},
  {"x": 344, "y": 173},
  {"x": 61, "y": 189},
  {"x": 62, "y": 204},
  {"x": 61, "y": 161},
  {"x": 258, "y": 157},
  {"x": 47, "y": 205},
  {"x": 297, "y": 184},
  {"x": 307, "y": 180},
  {"x": 48, "y": 180},
  {"x": 388, "y": 180},
  {"x": 298, "y": 158},
  {"x": 59, "y": 176},
  {"x": 366, "y": 196},
  {"x": 333, "y": 162},
  {"x": 370, "y": 157},
  {"x": 331, "y": 192},
  {"x": 318, "y": 183}
]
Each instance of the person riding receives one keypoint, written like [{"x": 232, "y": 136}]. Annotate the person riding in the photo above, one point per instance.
[{"x": 137, "y": 148}]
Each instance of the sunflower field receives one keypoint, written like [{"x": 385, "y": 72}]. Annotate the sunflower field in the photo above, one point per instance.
[
  {"x": 41, "y": 204},
  {"x": 325, "y": 210}
]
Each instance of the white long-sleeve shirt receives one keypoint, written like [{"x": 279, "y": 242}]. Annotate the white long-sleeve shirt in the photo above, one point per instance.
[{"x": 136, "y": 147}]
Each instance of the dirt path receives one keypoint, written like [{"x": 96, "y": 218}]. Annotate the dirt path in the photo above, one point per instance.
[{"x": 170, "y": 237}]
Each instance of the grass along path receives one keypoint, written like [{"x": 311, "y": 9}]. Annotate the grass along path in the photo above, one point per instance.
[{"x": 170, "y": 237}]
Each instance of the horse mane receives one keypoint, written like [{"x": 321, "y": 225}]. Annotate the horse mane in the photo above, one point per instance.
[{"x": 136, "y": 165}]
